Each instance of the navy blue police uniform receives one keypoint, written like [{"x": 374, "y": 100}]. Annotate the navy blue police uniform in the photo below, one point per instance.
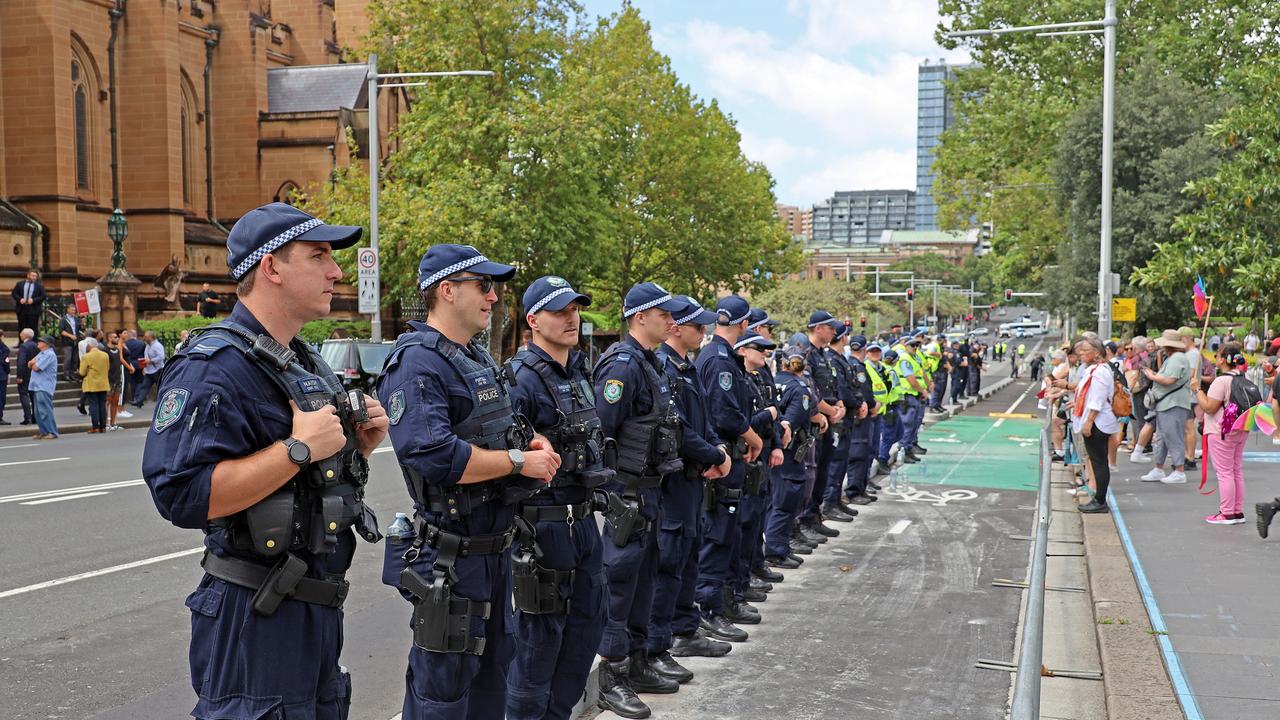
[
  {"x": 862, "y": 448},
  {"x": 847, "y": 391},
  {"x": 444, "y": 399},
  {"x": 675, "y": 618},
  {"x": 729, "y": 392},
  {"x": 797, "y": 403},
  {"x": 755, "y": 485},
  {"x": 760, "y": 321},
  {"x": 558, "y": 576},
  {"x": 266, "y": 618},
  {"x": 633, "y": 401},
  {"x": 820, "y": 369}
]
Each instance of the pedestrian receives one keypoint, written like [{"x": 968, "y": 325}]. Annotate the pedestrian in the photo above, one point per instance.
[
  {"x": 248, "y": 447},
  {"x": 208, "y": 303},
  {"x": 1037, "y": 367},
  {"x": 4, "y": 377},
  {"x": 675, "y": 622},
  {"x": 27, "y": 350},
  {"x": 115, "y": 378},
  {"x": 135, "y": 351},
  {"x": 28, "y": 299},
  {"x": 1215, "y": 342},
  {"x": 153, "y": 363},
  {"x": 1252, "y": 342},
  {"x": 1226, "y": 445},
  {"x": 1093, "y": 418},
  {"x": 1170, "y": 396},
  {"x": 467, "y": 461},
  {"x": 93, "y": 371},
  {"x": 44, "y": 380},
  {"x": 70, "y": 331},
  {"x": 558, "y": 571}
]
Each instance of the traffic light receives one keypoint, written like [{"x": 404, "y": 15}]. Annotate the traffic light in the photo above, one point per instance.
[
  {"x": 862, "y": 321},
  {"x": 1008, "y": 294},
  {"x": 911, "y": 293},
  {"x": 993, "y": 306},
  {"x": 988, "y": 229},
  {"x": 968, "y": 318}
]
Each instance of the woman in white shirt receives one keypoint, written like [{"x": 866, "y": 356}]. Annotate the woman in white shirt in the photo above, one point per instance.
[{"x": 1092, "y": 418}]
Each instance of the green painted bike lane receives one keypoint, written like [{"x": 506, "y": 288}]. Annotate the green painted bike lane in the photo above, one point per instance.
[{"x": 973, "y": 451}]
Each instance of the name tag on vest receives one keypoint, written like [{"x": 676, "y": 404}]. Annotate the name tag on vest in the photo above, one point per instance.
[{"x": 311, "y": 385}]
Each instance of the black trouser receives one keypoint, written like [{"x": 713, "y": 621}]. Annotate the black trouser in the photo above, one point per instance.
[
  {"x": 28, "y": 404},
  {"x": 1095, "y": 444}
]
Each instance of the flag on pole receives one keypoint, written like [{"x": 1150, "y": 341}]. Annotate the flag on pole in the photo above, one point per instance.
[{"x": 1200, "y": 297}]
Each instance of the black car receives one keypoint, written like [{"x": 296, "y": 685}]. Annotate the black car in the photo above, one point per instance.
[{"x": 357, "y": 363}]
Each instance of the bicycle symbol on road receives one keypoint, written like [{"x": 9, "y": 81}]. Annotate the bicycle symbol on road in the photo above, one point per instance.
[{"x": 910, "y": 494}]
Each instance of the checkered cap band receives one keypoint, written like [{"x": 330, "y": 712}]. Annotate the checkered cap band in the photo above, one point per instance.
[
  {"x": 747, "y": 341},
  {"x": 755, "y": 325},
  {"x": 272, "y": 245},
  {"x": 626, "y": 313},
  {"x": 550, "y": 296},
  {"x": 733, "y": 321},
  {"x": 697, "y": 310},
  {"x": 454, "y": 268}
]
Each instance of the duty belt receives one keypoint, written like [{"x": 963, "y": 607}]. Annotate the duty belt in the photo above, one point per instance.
[
  {"x": 638, "y": 482},
  {"x": 535, "y": 514},
  {"x": 454, "y": 545},
  {"x": 278, "y": 582}
]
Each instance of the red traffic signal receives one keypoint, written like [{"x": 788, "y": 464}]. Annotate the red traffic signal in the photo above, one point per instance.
[
  {"x": 1008, "y": 294},
  {"x": 911, "y": 293},
  {"x": 993, "y": 306},
  {"x": 862, "y": 321}
]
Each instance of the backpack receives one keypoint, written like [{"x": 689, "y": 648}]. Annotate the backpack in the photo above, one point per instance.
[
  {"x": 1244, "y": 393},
  {"x": 1121, "y": 400}
]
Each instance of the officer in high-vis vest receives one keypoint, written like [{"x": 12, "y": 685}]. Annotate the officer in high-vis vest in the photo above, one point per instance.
[
  {"x": 557, "y": 573},
  {"x": 891, "y": 432},
  {"x": 914, "y": 389},
  {"x": 255, "y": 443},
  {"x": 634, "y": 403},
  {"x": 675, "y": 624},
  {"x": 882, "y": 391},
  {"x": 468, "y": 461}
]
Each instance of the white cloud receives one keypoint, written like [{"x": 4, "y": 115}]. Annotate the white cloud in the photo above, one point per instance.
[
  {"x": 877, "y": 169},
  {"x": 772, "y": 151},
  {"x": 836, "y": 26}
]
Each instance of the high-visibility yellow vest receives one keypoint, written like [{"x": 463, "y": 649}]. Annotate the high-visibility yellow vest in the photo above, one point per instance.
[
  {"x": 879, "y": 388},
  {"x": 916, "y": 368}
]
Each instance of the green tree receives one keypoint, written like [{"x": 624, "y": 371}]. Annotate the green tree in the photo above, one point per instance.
[
  {"x": 791, "y": 303},
  {"x": 1159, "y": 147},
  {"x": 1229, "y": 237}
]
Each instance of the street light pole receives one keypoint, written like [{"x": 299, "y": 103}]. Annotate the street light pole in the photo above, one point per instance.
[
  {"x": 406, "y": 79},
  {"x": 1108, "y": 134}
]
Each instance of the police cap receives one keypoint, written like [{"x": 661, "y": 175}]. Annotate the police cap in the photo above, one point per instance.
[
  {"x": 552, "y": 293},
  {"x": 759, "y": 317},
  {"x": 732, "y": 309},
  {"x": 646, "y": 296},
  {"x": 442, "y": 261},
  {"x": 756, "y": 340},
  {"x": 691, "y": 313},
  {"x": 857, "y": 342},
  {"x": 818, "y": 317},
  {"x": 268, "y": 228}
]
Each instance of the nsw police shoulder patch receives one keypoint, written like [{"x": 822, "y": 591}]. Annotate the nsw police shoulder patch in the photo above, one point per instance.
[
  {"x": 726, "y": 381},
  {"x": 804, "y": 401},
  {"x": 612, "y": 391},
  {"x": 170, "y": 408},
  {"x": 395, "y": 407}
]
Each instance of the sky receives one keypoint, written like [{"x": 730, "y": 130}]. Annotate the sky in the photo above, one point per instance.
[{"x": 823, "y": 91}]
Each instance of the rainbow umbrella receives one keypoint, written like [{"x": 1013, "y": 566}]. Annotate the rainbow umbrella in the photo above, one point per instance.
[{"x": 1260, "y": 418}]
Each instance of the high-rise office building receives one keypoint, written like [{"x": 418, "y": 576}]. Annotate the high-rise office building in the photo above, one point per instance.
[
  {"x": 935, "y": 112},
  {"x": 858, "y": 217}
]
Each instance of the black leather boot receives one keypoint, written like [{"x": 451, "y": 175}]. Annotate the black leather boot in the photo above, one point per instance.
[
  {"x": 644, "y": 679},
  {"x": 698, "y": 645},
  {"x": 719, "y": 628},
  {"x": 667, "y": 667},
  {"x": 616, "y": 694},
  {"x": 767, "y": 575}
]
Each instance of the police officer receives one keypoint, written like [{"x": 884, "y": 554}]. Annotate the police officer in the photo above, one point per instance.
[
  {"x": 882, "y": 390},
  {"x": 557, "y": 573},
  {"x": 864, "y": 441},
  {"x": 674, "y": 625},
  {"x": 755, "y": 486},
  {"x": 466, "y": 461},
  {"x": 254, "y": 443},
  {"x": 892, "y": 430},
  {"x": 821, "y": 332},
  {"x": 633, "y": 400},
  {"x": 850, "y": 386},
  {"x": 801, "y": 421},
  {"x": 729, "y": 393},
  {"x": 762, "y": 575},
  {"x": 914, "y": 388}
]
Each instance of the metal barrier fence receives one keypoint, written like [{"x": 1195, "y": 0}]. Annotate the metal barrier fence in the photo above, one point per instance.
[{"x": 1026, "y": 688}]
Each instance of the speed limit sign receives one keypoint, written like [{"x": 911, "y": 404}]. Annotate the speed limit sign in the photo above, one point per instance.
[{"x": 367, "y": 272}]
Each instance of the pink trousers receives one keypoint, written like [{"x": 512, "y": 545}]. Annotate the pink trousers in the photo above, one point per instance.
[{"x": 1228, "y": 465}]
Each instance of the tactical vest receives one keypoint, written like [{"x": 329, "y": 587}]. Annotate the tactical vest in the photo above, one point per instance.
[
  {"x": 490, "y": 425},
  {"x": 576, "y": 436},
  {"x": 761, "y": 398},
  {"x": 824, "y": 376},
  {"x": 649, "y": 444},
  {"x": 326, "y": 496}
]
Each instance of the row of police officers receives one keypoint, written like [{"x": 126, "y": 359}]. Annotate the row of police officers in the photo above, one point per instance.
[{"x": 713, "y": 463}]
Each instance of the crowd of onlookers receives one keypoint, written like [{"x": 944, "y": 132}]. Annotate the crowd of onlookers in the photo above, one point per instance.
[{"x": 1164, "y": 400}]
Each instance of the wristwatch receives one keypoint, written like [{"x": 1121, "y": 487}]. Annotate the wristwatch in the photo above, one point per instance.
[
  {"x": 299, "y": 453},
  {"x": 517, "y": 461}
]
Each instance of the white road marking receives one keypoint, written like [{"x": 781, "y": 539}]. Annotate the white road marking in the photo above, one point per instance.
[
  {"x": 32, "y": 462},
  {"x": 99, "y": 573},
  {"x": 15, "y": 447},
  {"x": 68, "y": 491},
  {"x": 60, "y": 498},
  {"x": 1013, "y": 407},
  {"x": 899, "y": 526}
]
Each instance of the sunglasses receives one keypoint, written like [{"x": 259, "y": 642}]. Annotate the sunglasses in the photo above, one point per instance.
[{"x": 485, "y": 283}]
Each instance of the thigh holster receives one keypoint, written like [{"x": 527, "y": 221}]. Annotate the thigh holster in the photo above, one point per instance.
[{"x": 537, "y": 589}]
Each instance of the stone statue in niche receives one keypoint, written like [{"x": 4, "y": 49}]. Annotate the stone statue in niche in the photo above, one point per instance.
[{"x": 169, "y": 280}]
